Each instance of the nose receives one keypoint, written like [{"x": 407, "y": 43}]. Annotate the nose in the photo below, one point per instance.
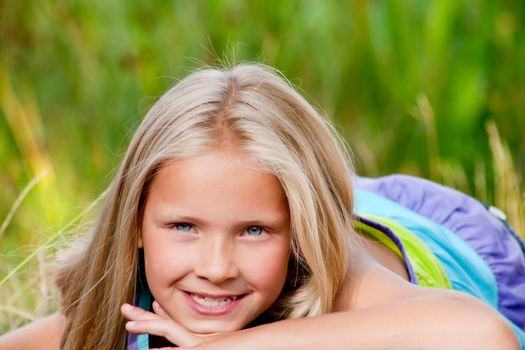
[{"x": 216, "y": 260}]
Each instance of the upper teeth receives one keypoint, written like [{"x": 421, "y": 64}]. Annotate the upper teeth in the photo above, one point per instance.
[{"x": 212, "y": 301}]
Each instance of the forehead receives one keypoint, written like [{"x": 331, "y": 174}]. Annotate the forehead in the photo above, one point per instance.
[{"x": 225, "y": 178}]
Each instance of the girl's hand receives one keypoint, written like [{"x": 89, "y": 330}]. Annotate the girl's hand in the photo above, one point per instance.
[{"x": 160, "y": 324}]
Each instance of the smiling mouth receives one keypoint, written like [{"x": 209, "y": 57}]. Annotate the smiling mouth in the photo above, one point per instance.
[
  {"x": 213, "y": 305},
  {"x": 207, "y": 301}
]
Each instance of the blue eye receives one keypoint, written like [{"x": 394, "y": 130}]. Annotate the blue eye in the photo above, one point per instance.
[
  {"x": 254, "y": 231},
  {"x": 182, "y": 227}
]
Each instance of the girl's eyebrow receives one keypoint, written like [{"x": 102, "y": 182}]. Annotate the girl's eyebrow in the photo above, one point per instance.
[
  {"x": 171, "y": 216},
  {"x": 256, "y": 221}
]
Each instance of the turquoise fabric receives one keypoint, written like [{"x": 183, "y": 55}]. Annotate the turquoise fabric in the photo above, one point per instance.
[
  {"x": 466, "y": 271},
  {"x": 144, "y": 302}
]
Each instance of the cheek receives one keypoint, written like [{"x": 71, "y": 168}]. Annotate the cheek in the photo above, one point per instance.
[
  {"x": 164, "y": 264},
  {"x": 266, "y": 269}
]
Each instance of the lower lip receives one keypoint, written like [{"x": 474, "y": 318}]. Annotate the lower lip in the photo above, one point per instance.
[{"x": 212, "y": 310}]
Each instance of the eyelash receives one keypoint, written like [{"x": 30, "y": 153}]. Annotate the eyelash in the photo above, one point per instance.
[{"x": 176, "y": 224}]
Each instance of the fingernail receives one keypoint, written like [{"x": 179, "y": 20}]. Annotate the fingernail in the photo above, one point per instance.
[
  {"x": 130, "y": 324},
  {"x": 127, "y": 307}
]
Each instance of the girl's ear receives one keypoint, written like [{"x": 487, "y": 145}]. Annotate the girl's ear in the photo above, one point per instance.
[{"x": 139, "y": 241}]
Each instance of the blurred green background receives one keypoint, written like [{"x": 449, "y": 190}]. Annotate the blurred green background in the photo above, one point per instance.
[{"x": 434, "y": 88}]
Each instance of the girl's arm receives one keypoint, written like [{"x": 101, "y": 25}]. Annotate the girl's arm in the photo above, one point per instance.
[
  {"x": 437, "y": 320},
  {"x": 44, "y": 333}
]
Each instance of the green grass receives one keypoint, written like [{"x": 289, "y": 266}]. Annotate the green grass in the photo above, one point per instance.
[{"x": 427, "y": 87}]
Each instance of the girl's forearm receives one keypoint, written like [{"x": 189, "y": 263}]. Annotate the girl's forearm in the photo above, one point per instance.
[
  {"x": 44, "y": 334},
  {"x": 408, "y": 324}
]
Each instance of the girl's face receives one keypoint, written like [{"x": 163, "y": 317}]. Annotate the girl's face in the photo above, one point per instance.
[{"x": 216, "y": 245}]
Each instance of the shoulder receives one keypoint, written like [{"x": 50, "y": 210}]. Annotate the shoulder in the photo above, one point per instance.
[
  {"x": 372, "y": 278},
  {"x": 45, "y": 333},
  {"x": 371, "y": 287}
]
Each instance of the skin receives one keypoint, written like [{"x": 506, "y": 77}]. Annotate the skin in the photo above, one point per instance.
[
  {"x": 377, "y": 308},
  {"x": 43, "y": 334}
]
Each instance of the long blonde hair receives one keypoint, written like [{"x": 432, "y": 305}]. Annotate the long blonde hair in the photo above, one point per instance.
[{"x": 255, "y": 107}]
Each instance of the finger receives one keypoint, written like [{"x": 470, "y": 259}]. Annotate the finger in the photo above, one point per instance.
[
  {"x": 134, "y": 313},
  {"x": 164, "y": 328},
  {"x": 160, "y": 311}
]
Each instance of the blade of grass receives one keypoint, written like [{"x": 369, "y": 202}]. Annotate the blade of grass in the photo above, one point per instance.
[
  {"x": 19, "y": 200},
  {"x": 508, "y": 196},
  {"x": 21, "y": 313},
  {"x": 424, "y": 113},
  {"x": 50, "y": 240}
]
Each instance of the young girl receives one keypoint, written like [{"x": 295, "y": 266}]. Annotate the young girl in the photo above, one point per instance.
[{"x": 230, "y": 225}]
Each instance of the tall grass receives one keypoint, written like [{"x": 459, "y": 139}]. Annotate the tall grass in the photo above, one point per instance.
[
  {"x": 510, "y": 186},
  {"x": 509, "y": 189}
]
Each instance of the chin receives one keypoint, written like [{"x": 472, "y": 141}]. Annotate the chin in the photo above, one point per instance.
[{"x": 209, "y": 327}]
